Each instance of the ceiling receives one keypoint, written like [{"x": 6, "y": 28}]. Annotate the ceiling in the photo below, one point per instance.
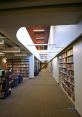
[
  {"x": 6, "y": 4},
  {"x": 39, "y": 36},
  {"x": 10, "y": 48},
  {"x": 42, "y": 12},
  {"x": 37, "y": 14}
]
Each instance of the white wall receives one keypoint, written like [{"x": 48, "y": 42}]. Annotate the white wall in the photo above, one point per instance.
[
  {"x": 63, "y": 35},
  {"x": 56, "y": 69},
  {"x": 78, "y": 75},
  {"x": 31, "y": 66}
]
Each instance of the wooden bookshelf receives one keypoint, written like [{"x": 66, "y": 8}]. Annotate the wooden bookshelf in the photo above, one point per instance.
[
  {"x": 66, "y": 73},
  {"x": 19, "y": 66}
]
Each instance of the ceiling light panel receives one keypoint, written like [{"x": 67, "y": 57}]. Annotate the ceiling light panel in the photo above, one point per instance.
[
  {"x": 38, "y": 30},
  {"x": 41, "y": 42},
  {"x": 11, "y": 50},
  {"x": 42, "y": 38},
  {"x": 1, "y": 53},
  {"x": 20, "y": 54}
]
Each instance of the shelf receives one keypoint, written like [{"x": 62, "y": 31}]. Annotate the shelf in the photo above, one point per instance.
[
  {"x": 72, "y": 98},
  {"x": 68, "y": 87},
  {"x": 69, "y": 82},
  {"x": 66, "y": 72},
  {"x": 69, "y": 55},
  {"x": 19, "y": 65}
]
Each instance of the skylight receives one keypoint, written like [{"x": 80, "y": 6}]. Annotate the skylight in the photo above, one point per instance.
[{"x": 24, "y": 37}]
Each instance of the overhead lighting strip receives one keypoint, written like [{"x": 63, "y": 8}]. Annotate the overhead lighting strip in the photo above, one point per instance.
[
  {"x": 3, "y": 37},
  {"x": 1, "y": 53},
  {"x": 21, "y": 54},
  {"x": 11, "y": 51}
]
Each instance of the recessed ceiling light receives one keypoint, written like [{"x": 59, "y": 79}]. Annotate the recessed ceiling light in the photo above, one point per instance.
[
  {"x": 38, "y": 30},
  {"x": 40, "y": 38},
  {"x": 41, "y": 42}
]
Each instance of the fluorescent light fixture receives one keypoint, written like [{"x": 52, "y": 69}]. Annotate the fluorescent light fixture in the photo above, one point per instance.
[
  {"x": 38, "y": 30},
  {"x": 3, "y": 37},
  {"x": 40, "y": 38},
  {"x": 1, "y": 53},
  {"x": 12, "y": 50},
  {"x": 41, "y": 42},
  {"x": 20, "y": 54}
]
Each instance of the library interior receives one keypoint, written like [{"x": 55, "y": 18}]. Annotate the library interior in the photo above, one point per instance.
[{"x": 41, "y": 58}]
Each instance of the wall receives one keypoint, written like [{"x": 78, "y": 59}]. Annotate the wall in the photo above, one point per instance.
[
  {"x": 61, "y": 36},
  {"x": 31, "y": 66},
  {"x": 78, "y": 75},
  {"x": 55, "y": 69}
]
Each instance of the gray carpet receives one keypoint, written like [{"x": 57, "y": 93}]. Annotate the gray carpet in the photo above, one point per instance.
[{"x": 38, "y": 97}]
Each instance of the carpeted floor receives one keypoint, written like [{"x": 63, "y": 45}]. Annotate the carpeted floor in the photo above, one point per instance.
[{"x": 38, "y": 97}]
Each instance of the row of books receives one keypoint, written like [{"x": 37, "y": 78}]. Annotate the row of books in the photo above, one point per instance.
[
  {"x": 68, "y": 84},
  {"x": 68, "y": 66},
  {"x": 66, "y": 54},
  {"x": 66, "y": 60},
  {"x": 67, "y": 71},
  {"x": 70, "y": 94},
  {"x": 66, "y": 77}
]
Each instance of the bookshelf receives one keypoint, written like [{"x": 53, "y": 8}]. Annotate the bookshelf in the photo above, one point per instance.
[
  {"x": 19, "y": 67},
  {"x": 66, "y": 73}
]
